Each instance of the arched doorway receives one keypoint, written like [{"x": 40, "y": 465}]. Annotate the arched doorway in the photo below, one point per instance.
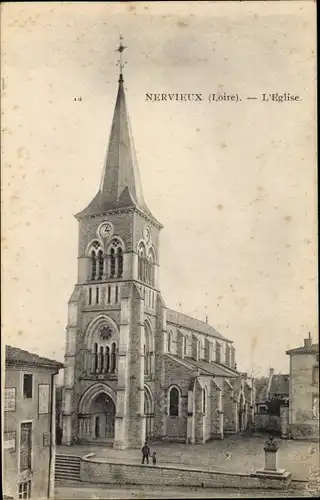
[
  {"x": 97, "y": 409},
  {"x": 103, "y": 412},
  {"x": 148, "y": 412}
]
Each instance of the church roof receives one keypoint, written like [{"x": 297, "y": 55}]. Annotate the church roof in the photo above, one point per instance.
[
  {"x": 214, "y": 368},
  {"x": 205, "y": 368},
  {"x": 120, "y": 184},
  {"x": 182, "y": 320},
  {"x": 16, "y": 356}
]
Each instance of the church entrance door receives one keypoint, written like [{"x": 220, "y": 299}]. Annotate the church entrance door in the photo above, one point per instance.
[
  {"x": 103, "y": 411},
  {"x": 148, "y": 414},
  {"x": 97, "y": 428}
]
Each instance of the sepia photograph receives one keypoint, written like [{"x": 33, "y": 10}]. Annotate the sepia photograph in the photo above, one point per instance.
[{"x": 159, "y": 250}]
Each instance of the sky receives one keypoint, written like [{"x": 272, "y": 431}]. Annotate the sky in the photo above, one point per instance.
[{"x": 233, "y": 183}]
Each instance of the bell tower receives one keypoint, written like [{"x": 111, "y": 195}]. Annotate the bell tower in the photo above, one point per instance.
[
  {"x": 117, "y": 283},
  {"x": 118, "y": 208}
]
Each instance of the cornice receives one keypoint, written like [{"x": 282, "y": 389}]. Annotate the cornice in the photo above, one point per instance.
[{"x": 117, "y": 211}]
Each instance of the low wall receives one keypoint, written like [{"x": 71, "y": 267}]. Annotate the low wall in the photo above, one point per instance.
[
  {"x": 305, "y": 431},
  {"x": 102, "y": 472}
]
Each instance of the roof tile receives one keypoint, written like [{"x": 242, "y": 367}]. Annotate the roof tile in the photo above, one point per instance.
[
  {"x": 14, "y": 355},
  {"x": 312, "y": 349},
  {"x": 205, "y": 367}
]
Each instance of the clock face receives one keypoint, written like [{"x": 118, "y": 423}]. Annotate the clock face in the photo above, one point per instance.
[
  {"x": 146, "y": 234},
  {"x": 105, "y": 230}
]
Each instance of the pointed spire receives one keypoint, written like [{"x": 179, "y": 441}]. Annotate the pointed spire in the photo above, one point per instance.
[{"x": 120, "y": 183}]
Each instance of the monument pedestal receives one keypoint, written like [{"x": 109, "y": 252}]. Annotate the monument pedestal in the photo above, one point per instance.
[{"x": 270, "y": 475}]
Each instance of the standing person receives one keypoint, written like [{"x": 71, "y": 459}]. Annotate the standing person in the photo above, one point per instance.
[
  {"x": 145, "y": 452},
  {"x": 154, "y": 458}
]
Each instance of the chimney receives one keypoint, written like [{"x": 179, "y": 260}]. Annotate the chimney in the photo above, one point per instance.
[
  {"x": 308, "y": 341},
  {"x": 271, "y": 372}
]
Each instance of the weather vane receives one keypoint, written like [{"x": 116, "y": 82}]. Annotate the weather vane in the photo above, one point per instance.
[{"x": 120, "y": 49}]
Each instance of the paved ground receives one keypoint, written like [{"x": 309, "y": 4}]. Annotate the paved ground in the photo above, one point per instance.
[
  {"x": 148, "y": 492},
  {"x": 236, "y": 453}
]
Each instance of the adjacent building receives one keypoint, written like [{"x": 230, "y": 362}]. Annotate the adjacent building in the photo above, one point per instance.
[
  {"x": 272, "y": 396},
  {"x": 304, "y": 391},
  {"x": 136, "y": 369},
  {"x": 59, "y": 424},
  {"x": 29, "y": 424}
]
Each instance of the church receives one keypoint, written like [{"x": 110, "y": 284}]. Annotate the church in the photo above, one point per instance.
[{"x": 136, "y": 370}]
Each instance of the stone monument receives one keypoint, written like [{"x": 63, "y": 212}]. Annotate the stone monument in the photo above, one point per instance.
[
  {"x": 270, "y": 454},
  {"x": 270, "y": 475}
]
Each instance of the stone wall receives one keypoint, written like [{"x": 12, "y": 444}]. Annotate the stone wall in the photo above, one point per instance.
[{"x": 94, "y": 471}]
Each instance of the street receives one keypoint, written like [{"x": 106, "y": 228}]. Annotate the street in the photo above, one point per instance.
[{"x": 150, "y": 492}]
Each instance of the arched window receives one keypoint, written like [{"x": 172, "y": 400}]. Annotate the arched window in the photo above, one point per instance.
[
  {"x": 115, "y": 259},
  {"x": 145, "y": 360},
  {"x": 101, "y": 359},
  {"x": 112, "y": 263},
  {"x": 142, "y": 262},
  {"x": 150, "y": 267},
  {"x": 204, "y": 401},
  {"x": 184, "y": 346},
  {"x": 100, "y": 262},
  {"x": 174, "y": 400},
  {"x": 120, "y": 262},
  {"x": 96, "y": 258},
  {"x": 93, "y": 265},
  {"x": 218, "y": 352},
  {"x": 107, "y": 363},
  {"x": 211, "y": 352},
  {"x": 148, "y": 347},
  {"x": 113, "y": 357},
  {"x": 227, "y": 354},
  {"x": 198, "y": 349},
  {"x": 233, "y": 358},
  {"x": 169, "y": 341},
  {"x": 95, "y": 357}
]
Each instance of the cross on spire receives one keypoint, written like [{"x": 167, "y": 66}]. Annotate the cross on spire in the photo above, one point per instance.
[{"x": 120, "y": 62}]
